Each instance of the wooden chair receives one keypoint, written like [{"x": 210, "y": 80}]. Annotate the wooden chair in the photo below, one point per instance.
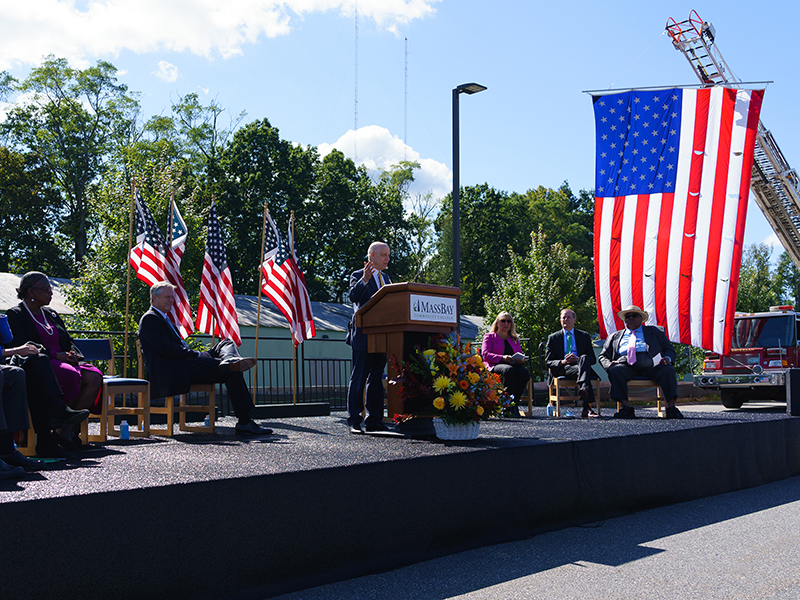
[
  {"x": 566, "y": 390},
  {"x": 527, "y": 398},
  {"x": 640, "y": 383},
  {"x": 181, "y": 407},
  {"x": 26, "y": 440},
  {"x": 103, "y": 350}
]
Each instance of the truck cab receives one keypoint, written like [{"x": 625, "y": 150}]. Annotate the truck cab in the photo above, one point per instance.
[{"x": 764, "y": 347}]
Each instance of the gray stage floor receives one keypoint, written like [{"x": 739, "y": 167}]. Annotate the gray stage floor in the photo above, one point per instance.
[{"x": 309, "y": 443}]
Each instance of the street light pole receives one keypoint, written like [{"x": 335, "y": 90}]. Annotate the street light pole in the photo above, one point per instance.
[{"x": 466, "y": 88}]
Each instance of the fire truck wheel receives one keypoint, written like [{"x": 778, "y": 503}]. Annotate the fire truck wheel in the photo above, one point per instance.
[{"x": 729, "y": 400}]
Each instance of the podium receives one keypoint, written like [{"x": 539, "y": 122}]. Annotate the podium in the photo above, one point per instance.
[{"x": 400, "y": 315}]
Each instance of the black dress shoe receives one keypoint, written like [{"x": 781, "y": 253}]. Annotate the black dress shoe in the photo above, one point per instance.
[
  {"x": 68, "y": 445},
  {"x": 10, "y": 471},
  {"x": 64, "y": 415},
  {"x": 51, "y": 449},
  {"x": 252, "y": 428},
  {"x": 240, "y": 365},
  {"x": 673, "y": 413},
  {"x": 626, "y": 412},
  {"x": 375, "y": 427},
  {"x": 356, "y": 428},
  {"x": 17, "y": 459}
]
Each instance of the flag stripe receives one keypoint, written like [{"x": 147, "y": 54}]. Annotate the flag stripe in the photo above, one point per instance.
[{"x": 669, "y": 239}]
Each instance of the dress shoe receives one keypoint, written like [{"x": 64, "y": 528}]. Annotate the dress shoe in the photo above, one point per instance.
[
  {"x": 68, "y": 445},
  {"x": 626, "y": 412},
  {"x": 17, "y": 459},
  {"x": 375, "y": 427},
  {"x": 252, "y": 428},
  {"x": 50, "y": 449},
  {"x": 588, "y": 413},
  {"x": 356, "y": 428},
  {"x": 240, "y": 365},
  {"x": 10, "y": 471},
  {"x": 672, "y": 412},
  {"x": 67, "y": 416}
]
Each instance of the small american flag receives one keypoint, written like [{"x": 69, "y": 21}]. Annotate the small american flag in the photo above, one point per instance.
[
  {"x": 285, "y": 285},
  {"x": 216, "y": 313},
  {"x": 671, "y": 186}
]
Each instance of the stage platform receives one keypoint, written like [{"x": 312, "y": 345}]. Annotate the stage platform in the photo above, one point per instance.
[{"x": 220, "y": 516}]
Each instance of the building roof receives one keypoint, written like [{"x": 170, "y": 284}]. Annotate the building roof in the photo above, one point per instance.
[{"x": 9, "y": 283}]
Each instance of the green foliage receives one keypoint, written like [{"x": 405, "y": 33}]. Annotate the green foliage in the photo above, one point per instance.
[
  {"x": 787, "y": 281},
  {"x": 536, "y": 286},
  {"x": 757, "y": 285}
]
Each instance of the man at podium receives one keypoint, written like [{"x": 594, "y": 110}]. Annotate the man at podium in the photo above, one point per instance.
[{"x": 367, "y": 366}]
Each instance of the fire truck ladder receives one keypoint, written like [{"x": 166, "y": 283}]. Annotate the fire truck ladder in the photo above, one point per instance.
[{"x": 774, "y": 183}]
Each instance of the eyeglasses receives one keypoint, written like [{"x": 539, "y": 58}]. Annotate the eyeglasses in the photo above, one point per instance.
[
  {"x": 632, "y": 315},
  {"x": 505, "y": 321}
]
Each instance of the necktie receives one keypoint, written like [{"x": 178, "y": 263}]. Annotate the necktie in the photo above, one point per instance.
[
  {"x": 570, "y": 347},
  {"x": 632, "y": 348}
]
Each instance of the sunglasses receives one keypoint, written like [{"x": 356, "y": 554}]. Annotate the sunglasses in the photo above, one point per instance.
[{"x": 505, "y": 321}]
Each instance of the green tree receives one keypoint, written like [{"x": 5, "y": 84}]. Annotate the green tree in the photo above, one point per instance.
[
  {"x": 71, "y": 120},
  {"x": 787, "y": 281},
  {"x": 757, "y": 281},
  {"x": 536, "y": 286}
]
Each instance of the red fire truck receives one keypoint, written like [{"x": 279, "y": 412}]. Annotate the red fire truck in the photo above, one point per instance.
[{"x": 763, "y": 348}]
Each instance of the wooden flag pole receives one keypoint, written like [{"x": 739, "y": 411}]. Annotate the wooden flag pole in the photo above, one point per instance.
[
  {"x": 258, "y": 302},
  {"x": 128, "y": 285}
]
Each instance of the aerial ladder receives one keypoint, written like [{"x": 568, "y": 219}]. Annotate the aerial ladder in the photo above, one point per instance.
[{"x": 774, "y": 183}]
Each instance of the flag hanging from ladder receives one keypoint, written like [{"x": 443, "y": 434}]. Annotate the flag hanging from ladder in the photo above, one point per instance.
[
  {"x": 671, "y": 187},
  {"x": 217, "y": 304}
]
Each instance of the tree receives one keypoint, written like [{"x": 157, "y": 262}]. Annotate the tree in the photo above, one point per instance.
[
  {"x": 28, "y": 239},
  {"x": 787, "y": 281},
  {"x": 757, "y": 289},
  {"x": 71, "y": 122},
  {"x": 536, "y": 286}
]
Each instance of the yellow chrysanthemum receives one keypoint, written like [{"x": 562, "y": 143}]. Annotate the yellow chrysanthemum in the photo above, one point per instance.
[
  {"x": 473, "y": 378},
  {"x": 438, "y": 403},
  {"x": 441, "y": 383},
  {"x": 479, "y": 411},
  {"x": 458, "y": 400}
]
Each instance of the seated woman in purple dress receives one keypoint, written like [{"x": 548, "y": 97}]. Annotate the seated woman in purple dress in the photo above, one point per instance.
[{"x": 32, "y": 321}]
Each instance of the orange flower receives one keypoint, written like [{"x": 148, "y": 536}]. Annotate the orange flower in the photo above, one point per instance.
[
  {"x": 453, "y": 369},
  {"x": 464, "y": 384}
]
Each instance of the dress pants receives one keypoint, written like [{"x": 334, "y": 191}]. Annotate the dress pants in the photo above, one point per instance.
[
  {"x": 367, "y": 370},
  {"x": 663, "y": 375},
  {"x": 515, "y": 377},
  {"x": 13, "y": 408},
  {"x": 43, "y": 390},
  {"x": 581, "y": 372},
  {"x": 214, "y": 370}
]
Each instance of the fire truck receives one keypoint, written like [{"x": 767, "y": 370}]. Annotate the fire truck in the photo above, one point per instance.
[{"x": 764, "y": 347}]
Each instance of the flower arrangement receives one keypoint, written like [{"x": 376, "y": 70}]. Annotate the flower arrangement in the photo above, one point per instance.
[{"x": 447, "y": 380}]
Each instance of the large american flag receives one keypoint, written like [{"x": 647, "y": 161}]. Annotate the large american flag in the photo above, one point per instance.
[
  {"x": 182, "y": 310},
  {"x": 671, "y": 186},
  {"x": 179, "y": 232},
  {"x": 216, "y": 313},
  {"x": 153, "y": 261},
  {"x": 285, "y": 285}
]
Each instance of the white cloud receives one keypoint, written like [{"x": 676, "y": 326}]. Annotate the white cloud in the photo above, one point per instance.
[
  {"x": 377, "y": 149},
  {"x": 30, "y": 30},
  {"x": 166, "y": 71}
]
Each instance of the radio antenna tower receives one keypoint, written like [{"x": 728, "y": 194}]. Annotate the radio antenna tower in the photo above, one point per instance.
[
  {"x": 405, "y": 105},
  {"x": 355, "y": 103}
]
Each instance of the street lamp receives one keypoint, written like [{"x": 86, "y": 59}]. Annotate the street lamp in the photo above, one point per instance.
[{"x": 466, "y": 88}]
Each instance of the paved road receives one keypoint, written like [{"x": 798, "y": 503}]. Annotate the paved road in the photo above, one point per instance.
[{"x": 738, "y": 546}]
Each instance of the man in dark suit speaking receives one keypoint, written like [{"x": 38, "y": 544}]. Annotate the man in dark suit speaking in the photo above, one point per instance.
[
  {"x": 639, "y": 351},
  {"x": 367, "y": 366},
  {"x": 172, "y": 367},
  {"x": 570, "y": 354}
]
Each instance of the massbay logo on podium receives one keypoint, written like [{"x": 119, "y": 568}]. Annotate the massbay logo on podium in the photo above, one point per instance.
[{"x": 433, "y": 308}]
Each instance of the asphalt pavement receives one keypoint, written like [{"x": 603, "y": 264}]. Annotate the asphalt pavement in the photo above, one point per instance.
[{"x": 738, "y": 546}]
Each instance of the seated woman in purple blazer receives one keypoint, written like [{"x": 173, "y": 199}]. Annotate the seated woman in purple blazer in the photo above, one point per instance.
[{"x": 498, "y": 350}]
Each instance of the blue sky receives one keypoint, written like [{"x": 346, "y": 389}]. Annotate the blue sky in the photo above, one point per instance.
[{"x": 293, "y": 62}]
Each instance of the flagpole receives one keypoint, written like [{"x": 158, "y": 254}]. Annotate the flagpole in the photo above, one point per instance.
[
  {"x": 291, "y": 329},
  {"x": 258, "y": 302},
  {"x": 128, "y": 284}
]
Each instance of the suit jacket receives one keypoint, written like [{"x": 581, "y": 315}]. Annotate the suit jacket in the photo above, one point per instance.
[
  {"x": 167, "y": 360},
  {"x": 360, "y": 294},
  {"x": 493, "y": 348},
  {"x": 555, "y": 348},
  {"x": 654, "y": 337},
  {"x": 24, "y": 329}
]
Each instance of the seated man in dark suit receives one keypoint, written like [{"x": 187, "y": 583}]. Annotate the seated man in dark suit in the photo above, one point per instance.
[
  {"x": 570, "y": 354},
  {"x": 172, "y": 367},
  {"x": 639, "y": 351}
]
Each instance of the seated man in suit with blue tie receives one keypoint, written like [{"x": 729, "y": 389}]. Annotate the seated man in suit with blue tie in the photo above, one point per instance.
[
  {"x": 172, "y": 367},
  {"x": 570, "y": 354},
  {"x": 639, "y": 351},
  {"x": 367, "y": 366}
]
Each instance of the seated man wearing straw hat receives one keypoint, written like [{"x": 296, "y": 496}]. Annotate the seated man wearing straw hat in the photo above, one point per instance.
[{"x": 639, "y": 351}]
